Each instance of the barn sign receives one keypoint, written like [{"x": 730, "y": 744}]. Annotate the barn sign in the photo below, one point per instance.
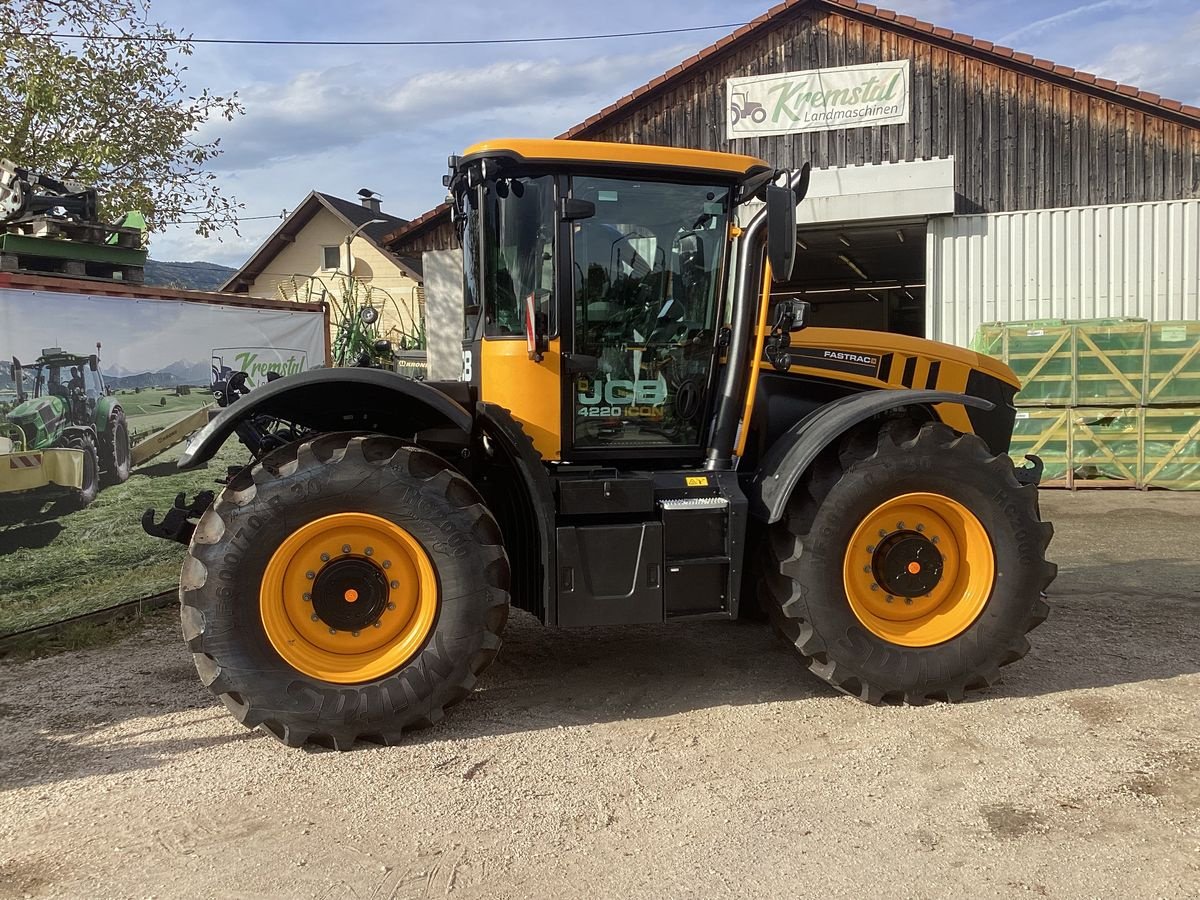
[{"x": 818, "y": 100}]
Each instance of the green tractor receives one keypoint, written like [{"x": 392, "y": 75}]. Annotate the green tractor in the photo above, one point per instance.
[{"x": 70, "y": 408}]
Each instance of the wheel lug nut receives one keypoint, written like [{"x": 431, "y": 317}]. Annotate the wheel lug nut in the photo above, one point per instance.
[
  {"x": 920, "y": 528},
  {"x": 934, "y": 539},
  {"x": 354, "y": 633},
  {"x": 395, "y": 584},
  {"x": 310, "y": 575},
  {"x": 316, "y": 618},
  {"x": 391, "y": 606},
  {"x": 867, "y": 569},
  {"x": 908, "y": 600},
  {"x": 333, "y": 631},
  {"x": 387, "y": 563},
  {"x": 376, "y": 624},
  {"x": 324, "y": 557},
  {"x": 882, "y": 533},
  {"x": 890, "y": 598},
  {"x": 345, "y": 548},
  {"x": 871, "y": 548},
  {"x": 370, "y": 551},
  {"x": 308, "y": 598},
  {"x": 900, "y": 526},
  {"x": 874, "y": 587}
]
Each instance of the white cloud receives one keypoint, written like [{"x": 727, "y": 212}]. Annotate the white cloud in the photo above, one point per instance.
[
  {"x": 340, "y": 107},
  {"x": 1141, "y": 64},
  {"x": 1057, "y": 20}
]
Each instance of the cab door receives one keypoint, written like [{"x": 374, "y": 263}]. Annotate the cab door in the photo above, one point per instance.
[{"x": 646, "y": 267}]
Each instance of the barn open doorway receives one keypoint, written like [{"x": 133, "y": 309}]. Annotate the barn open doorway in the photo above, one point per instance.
[{"x": 869, "y": 276}]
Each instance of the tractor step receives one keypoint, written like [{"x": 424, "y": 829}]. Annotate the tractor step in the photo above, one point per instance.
[{"x": 640, "y": 548}]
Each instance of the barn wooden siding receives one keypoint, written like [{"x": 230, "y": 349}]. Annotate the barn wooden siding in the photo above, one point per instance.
[
  {"x": 1021, "y": 138},
  {"x": 437, "y": 235},
  {"x": 1019, "y": 141}
]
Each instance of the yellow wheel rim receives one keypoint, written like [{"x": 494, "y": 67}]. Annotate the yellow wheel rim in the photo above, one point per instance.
[
  {"x": 919, "y": 570},
  {"x": 348, "y": 598}
]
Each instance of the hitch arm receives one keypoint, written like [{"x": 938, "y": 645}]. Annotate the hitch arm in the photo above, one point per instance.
[{"x": 180, "y": 521}]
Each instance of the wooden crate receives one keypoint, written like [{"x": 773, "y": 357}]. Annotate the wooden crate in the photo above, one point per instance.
[
  {"x": 1045, "y": 433},
  {"x": 1173, "y": 371},
  {"x": 1171, "y": 448},
  {"x": 1042, "y": 356},
  {"x": 1110, "y": 362},
  {"x": 1106, "y": 447}
]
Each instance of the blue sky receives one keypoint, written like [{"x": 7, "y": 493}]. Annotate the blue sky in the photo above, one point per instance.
[{"x": 338, "y": 119}]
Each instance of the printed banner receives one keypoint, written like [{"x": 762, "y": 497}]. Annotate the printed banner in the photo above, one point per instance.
[
  {"x": 818, "y": 100},
  {"x": 98, "y": 394}
]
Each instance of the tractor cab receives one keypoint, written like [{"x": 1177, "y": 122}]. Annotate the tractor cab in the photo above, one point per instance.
[
  {"x": 73, "y": 379},
  {"x": 595, "y": 290}
]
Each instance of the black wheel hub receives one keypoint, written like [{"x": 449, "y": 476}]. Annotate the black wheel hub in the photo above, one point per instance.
[
  {"x": 907, "y": 564},
  {"x": 350, "y": 594}
]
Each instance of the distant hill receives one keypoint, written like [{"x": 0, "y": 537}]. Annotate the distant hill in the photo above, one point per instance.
[{"x": 192, "y": 276}]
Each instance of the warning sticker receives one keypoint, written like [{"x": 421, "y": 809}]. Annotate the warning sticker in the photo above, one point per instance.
[{"x": 697, "y": 481}]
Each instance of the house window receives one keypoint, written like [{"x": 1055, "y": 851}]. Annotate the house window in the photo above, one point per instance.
[{"x": 331, "y": 258}]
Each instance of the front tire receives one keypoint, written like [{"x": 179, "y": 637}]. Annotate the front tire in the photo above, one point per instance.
[
  {"x": 116, "y": 450},
  {"x": 347, "y": 587},
  {"x": 910, "y": 566},
  {"x": 90, "y": 485}
]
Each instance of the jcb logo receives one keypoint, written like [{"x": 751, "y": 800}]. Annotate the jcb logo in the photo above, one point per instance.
[{"x": 619, "y": 392}]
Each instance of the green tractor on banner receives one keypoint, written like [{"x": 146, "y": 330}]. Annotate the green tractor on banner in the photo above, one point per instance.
[{"x": 67, "y": 408}]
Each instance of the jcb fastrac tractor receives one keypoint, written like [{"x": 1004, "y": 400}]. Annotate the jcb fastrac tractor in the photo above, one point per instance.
[
  {"x": 69, "y": 407},
  {"x": 641, "y": 434}
]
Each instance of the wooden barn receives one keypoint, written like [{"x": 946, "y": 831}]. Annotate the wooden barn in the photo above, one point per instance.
[{"x": 956, "y": 181}]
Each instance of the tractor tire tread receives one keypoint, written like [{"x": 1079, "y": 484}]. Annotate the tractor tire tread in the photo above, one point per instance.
[
  {"x": 787, "y": 599},
  {"x": 313, "y": 455}
]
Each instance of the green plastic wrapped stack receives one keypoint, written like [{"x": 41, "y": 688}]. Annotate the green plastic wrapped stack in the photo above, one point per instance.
[{"x": 1105, "y": 402}]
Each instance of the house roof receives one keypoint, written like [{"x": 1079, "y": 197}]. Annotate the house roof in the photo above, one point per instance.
[
  {"x": 351, "y": 213},
  {"x": 926, "y": 31}
]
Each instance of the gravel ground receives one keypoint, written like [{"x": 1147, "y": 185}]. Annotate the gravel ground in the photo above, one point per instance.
[{"x": 674, "y": 761}]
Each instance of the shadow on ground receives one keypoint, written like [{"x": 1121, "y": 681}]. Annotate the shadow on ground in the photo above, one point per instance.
[{"x": 1101, "y": 633}]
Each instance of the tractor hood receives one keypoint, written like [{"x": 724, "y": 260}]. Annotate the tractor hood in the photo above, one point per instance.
[{"x": 42, "y": 420}]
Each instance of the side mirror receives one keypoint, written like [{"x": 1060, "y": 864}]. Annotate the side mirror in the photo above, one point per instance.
[
  {"x": 94, "y": 362},
  {"x": 573, "y": 210},
  {"x": 781, "y": 231}
]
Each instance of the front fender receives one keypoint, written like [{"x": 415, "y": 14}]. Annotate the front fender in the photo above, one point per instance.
[
  {"x": 346, "y": 399},
  {"x": 791, "y": 455}
]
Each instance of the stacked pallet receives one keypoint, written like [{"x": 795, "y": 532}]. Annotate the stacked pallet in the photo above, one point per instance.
[{"x": 1105, "y": 402}]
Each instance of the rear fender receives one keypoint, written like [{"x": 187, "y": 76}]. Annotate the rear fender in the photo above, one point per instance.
[
  {"x": 346, "y": 399},
  {"x": 791, "y": 455}
]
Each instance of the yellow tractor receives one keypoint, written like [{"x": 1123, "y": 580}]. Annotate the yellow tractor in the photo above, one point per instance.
[{"x": 642, "y": 433}]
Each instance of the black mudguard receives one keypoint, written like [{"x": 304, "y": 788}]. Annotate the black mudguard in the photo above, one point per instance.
[
  {"x": 345, "y": 399},
  {"x": 791, "y": 455}
]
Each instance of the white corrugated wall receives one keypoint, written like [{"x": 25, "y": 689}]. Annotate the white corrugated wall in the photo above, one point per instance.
[{"x": 1138, "y": 260}]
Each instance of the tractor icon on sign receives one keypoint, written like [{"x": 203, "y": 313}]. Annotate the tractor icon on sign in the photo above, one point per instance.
[{"x": 747, "y": 109}]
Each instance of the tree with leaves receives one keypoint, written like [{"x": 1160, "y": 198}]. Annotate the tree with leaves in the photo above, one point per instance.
[{"x": 104, "y": 102}]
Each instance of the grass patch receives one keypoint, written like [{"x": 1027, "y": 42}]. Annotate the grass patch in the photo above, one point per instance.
[
  {"x": 79, "y": 636},
  {"x": 57, "y": 561},
  {"x": 150, "y": 410}
]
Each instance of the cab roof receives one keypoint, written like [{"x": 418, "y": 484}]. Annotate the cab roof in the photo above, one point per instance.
[{"x": 602, "y": 153}]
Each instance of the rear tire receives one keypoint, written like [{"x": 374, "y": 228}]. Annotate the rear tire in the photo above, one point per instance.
[
  {"x": 234, "y": 618},
  {"x": 116, "y": 450},
  {"x": 854, "y": 635}
]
